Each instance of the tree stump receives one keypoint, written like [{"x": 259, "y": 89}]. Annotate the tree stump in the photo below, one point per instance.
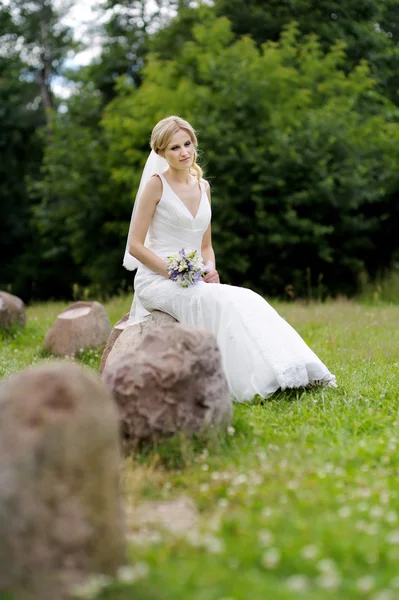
[
  {"x": 60, "y": 507},
  {"x": 172, "y": 382},
  {"x": 81, "y": 326},
  {"x": 12, "y": 311}
]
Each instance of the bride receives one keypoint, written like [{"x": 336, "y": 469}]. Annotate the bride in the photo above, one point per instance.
[{"x": 261, "y": 353}]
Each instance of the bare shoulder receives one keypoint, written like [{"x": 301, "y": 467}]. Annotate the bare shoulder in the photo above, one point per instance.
[
  {"x": 207, "y": 186},
  {"x": 153, "y": 188}
]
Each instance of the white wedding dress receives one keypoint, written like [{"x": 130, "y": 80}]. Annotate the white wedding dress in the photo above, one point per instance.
[{"x": 261, "y": 353}]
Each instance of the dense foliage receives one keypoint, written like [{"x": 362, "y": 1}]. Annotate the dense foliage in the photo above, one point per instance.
[{"x": 298, "y": 136}]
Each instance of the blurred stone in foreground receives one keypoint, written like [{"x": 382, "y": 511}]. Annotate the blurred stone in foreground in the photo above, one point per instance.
[
  {"x": 132, "y": 335},
  {"x": 113, "y": 336},
  {"x": 82, "y": 325},
  {"x": 60, "y": 507},
  {"x": 172, "y": 382},
  {"x": 12, "y": 311}
]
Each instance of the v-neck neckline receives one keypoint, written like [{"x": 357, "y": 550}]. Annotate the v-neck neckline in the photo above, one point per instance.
[{"x": 184, "y": 204}]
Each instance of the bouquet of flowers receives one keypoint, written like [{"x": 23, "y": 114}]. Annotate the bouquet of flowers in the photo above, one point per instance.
[{"x": 186, "y": 267}]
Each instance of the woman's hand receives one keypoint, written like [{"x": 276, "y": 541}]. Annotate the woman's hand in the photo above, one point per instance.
[{"x": 211, "y": 277}]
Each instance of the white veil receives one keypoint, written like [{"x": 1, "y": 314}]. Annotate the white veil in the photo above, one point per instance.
[{"x": 154, "y": 164}]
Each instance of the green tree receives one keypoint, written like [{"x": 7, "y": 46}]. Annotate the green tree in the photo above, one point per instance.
[
  {"x": 33, "y": 46},
  {"x": 301, "y": 156},
  {"x": 365, "y": 26},
  {"x": 20, "y": 155}
]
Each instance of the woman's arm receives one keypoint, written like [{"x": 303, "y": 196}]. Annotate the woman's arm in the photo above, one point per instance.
[
  {"x": 142, "y": 220},
  {"x": 207, "y": 250}
]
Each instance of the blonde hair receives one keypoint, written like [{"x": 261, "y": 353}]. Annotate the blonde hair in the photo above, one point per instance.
[{"x": 163, "y": 132}]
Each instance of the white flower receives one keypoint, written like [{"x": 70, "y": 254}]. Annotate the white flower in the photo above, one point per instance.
[
  {"x": 130, "y": 573},
  {"x": 329, "y": 580},
  {"x": 391, "y": 517},
  {"x": 365, "y": 584},
  {"x": 393, "y": 537},
  {"x": 384, "y": 595},
  {"x": 376, "y": 512},
  {"x": 213, "y": 544},
  {"x": 297, "y": 583},
  {"x": 309, "y": 552},
  {"x": 231, "y": 430},
  {"x": 344, "y": 512},
  {"x": 265, "y": 537},
  {"x": 326, "y": 565},
  {"x": 271, "y": 558},
  {"x": 93, "y": 586}
]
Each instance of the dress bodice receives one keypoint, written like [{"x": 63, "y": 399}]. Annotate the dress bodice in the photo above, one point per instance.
[{"x": 173, "y": 226}]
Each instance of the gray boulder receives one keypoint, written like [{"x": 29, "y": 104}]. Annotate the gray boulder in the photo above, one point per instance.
[
  {"x": 60, "y": 506},
  {"x": 172, "y": 382},
  {"x": 12, "y": 311},
  {"x": 82, "y": 325}
]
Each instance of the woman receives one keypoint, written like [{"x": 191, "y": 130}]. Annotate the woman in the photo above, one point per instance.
[{"x": 261, "y": 353}]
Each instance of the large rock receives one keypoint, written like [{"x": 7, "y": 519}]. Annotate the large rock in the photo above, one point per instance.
[
  {"x": 82, "y": 325},
  {"x": 172, "y": 382},
  {"x": 60, "y": 508},
  {"x": 12, "y": 311},
  {"x": 113, "y": 336},
  {"x": 132, "y": 335}
]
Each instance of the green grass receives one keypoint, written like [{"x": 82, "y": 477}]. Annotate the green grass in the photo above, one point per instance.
[{"x": 299, "y": 500}]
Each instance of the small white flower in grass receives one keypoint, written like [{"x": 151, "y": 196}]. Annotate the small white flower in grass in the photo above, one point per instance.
[
  {"x": 361, "y": 525},
  {"x": 365, "y": 584},
  {"x": 267, "y": 512},
  {"x": 223, "y": 502},
  {"x": 376, "y": 512},
  {"x": 344, "y": 512},
  {"x": 372, "y": 529},
  {"x": 205, "y": 467},
  {"x": 271, "y": 558},
  {"x": 326, "y": 564},
  {"x": 385, "y": 497},
  {"x": 297, "y": 583},
  {"x": 131, "y": 573},
  {"x": 213, "y": 544},
  {"x": 391, "y": 517},
  {"x": 204, "y": 487},
  {"x": 265, "y": 537},
  {"x": 93, "y": 586},
  {"x": 364, "y": 493},
  {"x": 309, "y": 552},
  {"x": 292, "y": 485},
  {"x": 362, "y": 506},
  {"x": 240, "y": 479},
  {"x": 329, "y": 581},
  {"x": 384, "y": 595},
  {"x": 231, "y": 430},
  {"x": 393, "y": 537}
]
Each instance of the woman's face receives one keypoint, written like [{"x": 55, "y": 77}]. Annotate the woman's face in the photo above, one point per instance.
[{"x": 180, "y": 151}]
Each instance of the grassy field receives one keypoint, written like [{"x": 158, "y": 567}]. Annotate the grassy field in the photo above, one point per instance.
[{"x": 298, "y": 500}]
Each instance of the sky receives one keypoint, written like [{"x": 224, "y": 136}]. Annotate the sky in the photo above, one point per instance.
[{"x": 83, "y": 17}]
